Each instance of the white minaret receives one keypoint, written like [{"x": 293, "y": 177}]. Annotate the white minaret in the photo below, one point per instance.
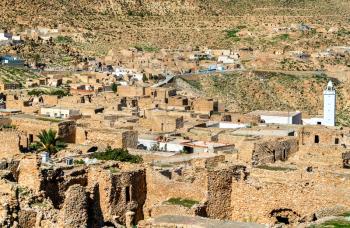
[{"x": 329, "y": 105}]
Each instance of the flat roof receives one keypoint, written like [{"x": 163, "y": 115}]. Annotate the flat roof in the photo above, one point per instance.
[
  {"x": 204, "y": 144},
  {"x": 262, "y": 132},
  {"x": 10, "y": 110},
  {"x": 274, "y": 113}
]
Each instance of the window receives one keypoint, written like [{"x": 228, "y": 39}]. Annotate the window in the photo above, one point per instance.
[
  {"x": 317, "y": 139},
  {"x": 274, "y": 155},
  {"x": 336, "y": 141},
  {"x": 127, "y": 194}
]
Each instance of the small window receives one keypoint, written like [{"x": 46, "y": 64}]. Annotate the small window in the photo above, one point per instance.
[
  {"x": 317, "y": 139},
  {"x": 274, "y": 155},
  {"x": 336, "y": 141},
  {"x": 127, "y": 194},
  {"x": 319, "y": 123},
  {"x": 238, "y": 120}
]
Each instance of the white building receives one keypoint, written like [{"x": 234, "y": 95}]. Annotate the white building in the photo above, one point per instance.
[
  {"x": 59, "y": 112},
  {"x": 4, "y": 36},
  {"x": 329, "y": 108},
  {"x": 225, "y": 59},
  {"x": 329, "y": 105},
  {"x": 226, "y": 125},
  {"x": 279, "y": 117}
]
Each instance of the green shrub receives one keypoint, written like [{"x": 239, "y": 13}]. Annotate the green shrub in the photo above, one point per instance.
[
  {"x": 118, "y": 154},
  {"x": 79, "y": 162},
  {"x": 64, "y": 39},
  {"x": 183, "y": 202},
  {"x": 146, "y": 48},
  {"x": 232, "y": 33},
  {"x": 9, "y": 126}
]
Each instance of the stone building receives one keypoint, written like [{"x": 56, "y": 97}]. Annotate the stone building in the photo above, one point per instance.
[
  {"x": 270, "y": 151},
  {"x": 163, "y": 123},
  {"x": 131, "y": 91},
  {"x": 115, "y": 138},
  {"x": 31, "y": 126},
  {"x": 321, "y": 135},
  {"x": 204, "y": 106}
]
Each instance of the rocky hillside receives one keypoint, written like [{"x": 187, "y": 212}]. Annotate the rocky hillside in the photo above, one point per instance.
[
  {"x": 165, "y": 23},
  {"x": 249, "y": 91}
]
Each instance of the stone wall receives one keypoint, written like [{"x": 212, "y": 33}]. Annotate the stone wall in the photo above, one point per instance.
[
  {"x": 204, "y": 106},
  {"x": 243, "y": 144},
  {"x": 162, "y": 123},
  {"x": 5, "y": 121},
  {"x": 10, "y": 143},
  {"x": 295, "y": 196},
  {"x": 131, "y": 91},
  {"x": 74, "y": 212},
  {"x": 270, "y": 151},
  {"x": 56, "y": 182},
  {"x": 320, "y": 135},
  {"x": 220, "y": 189},
  {"x": 116, "y": 138},
  {"x": 29, "y": 175},
  {"x": 32, "y": 126},
  {"x": 166, "y": 183},
  {"x": 115, "y": 193}
]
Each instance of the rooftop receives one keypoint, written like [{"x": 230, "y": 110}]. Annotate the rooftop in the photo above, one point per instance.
[{"x": 274, "y": 113}]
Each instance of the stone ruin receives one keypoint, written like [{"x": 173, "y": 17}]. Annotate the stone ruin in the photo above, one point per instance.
[{"x": 346, "y": 160}]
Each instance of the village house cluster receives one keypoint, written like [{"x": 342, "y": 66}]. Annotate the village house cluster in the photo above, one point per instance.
[{"x": 199, "y": 158}]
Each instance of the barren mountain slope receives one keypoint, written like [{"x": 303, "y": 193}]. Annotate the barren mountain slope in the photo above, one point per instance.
[{"x": 249, "y": 91}]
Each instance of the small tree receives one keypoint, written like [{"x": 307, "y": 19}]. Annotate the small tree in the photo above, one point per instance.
[
  {"x": 49, "y": 142},
  {"x": 114, "y": 87}
]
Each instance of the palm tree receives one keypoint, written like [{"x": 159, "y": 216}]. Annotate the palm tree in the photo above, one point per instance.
[{"x": 49, "y": 141}]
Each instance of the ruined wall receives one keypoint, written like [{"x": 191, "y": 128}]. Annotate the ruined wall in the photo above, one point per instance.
[
  {"x": 166, "y": 183},
  {"x": 115, "y": 193},
  {"x": 243, "y": 144},
  {"x": 295, "y": 196},
  {"x": 270, "y": 151},
  {"x": 320, "y": 135},
  {"x": 29, "y": 175},
  {"x": 74, "y": 212},
  {"x": 220, "y": 189},
  {"x": 55, "y": 182}
]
